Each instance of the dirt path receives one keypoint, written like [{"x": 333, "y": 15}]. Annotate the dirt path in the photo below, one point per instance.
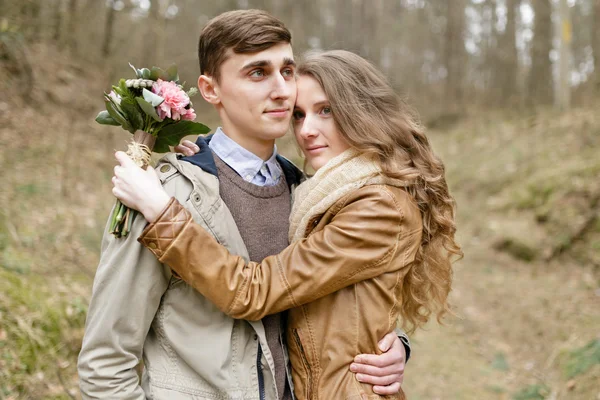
[{"x": 517, "y": 324}]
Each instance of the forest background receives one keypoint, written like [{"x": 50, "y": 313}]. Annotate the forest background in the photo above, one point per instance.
[{"x": 509, "y": 91}]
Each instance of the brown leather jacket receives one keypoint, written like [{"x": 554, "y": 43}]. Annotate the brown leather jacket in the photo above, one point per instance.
[{"x": 341, "y": 284}]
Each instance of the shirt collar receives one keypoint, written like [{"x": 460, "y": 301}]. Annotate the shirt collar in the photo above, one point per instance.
[{"x": 242, "y": 161}]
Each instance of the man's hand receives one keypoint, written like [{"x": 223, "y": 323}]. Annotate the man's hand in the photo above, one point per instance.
[
  {"x": 187, "y": 148},
  {"x": 384, "y": 371}
]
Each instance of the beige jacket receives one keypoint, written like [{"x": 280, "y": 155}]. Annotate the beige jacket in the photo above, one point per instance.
[
  {"x": 140, "y": 311},
  {"x": 341, "y": 284}
]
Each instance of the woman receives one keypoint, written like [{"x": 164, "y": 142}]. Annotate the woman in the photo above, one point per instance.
[{"x": 371, "y": 233}]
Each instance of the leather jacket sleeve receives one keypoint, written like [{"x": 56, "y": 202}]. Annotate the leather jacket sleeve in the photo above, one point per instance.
[{"x": 357, "y": 244}]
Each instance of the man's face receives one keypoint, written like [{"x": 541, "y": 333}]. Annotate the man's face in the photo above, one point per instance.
[{"x": 257, "y": 92}]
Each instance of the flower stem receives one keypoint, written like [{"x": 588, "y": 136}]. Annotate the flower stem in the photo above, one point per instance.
[{"x": 113, "y": 217}]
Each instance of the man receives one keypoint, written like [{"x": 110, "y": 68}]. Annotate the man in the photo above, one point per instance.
[{"x": 238, "y": 188}]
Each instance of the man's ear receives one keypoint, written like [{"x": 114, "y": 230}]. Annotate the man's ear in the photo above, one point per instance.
[{"x": 209, "y": 89}]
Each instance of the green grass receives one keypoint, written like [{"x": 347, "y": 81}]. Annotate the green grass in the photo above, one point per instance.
[
  {"x": 533, "y": 392},
  {"x": 36, "y": 329},
  {"x": 581, "y": 360}
]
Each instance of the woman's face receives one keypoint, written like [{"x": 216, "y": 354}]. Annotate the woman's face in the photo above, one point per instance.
[{"x": 316, "y": 132}]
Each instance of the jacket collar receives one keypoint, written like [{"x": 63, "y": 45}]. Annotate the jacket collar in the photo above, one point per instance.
[{"x": 206, "y": 161}]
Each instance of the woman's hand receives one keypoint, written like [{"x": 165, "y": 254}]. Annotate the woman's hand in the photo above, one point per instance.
[{"x": 139, "y": 189}]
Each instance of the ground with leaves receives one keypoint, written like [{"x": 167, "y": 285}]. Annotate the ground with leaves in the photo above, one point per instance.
[{"x": 526, "y": 294}]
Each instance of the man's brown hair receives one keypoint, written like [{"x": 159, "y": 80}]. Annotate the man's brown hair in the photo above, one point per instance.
[{"x": 242, "y": 31}]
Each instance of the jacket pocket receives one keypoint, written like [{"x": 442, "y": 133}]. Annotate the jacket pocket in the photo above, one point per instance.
[{"x": 304, "y": 359}]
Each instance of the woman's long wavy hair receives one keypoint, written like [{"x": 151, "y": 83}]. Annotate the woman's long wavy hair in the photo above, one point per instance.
[{"x": 376, "y": 121}]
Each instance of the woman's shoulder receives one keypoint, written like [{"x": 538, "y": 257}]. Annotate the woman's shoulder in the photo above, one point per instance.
[{"x": 385, "y": 198}]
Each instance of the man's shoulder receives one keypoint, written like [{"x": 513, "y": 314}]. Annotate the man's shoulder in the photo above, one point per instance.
[
  {"x": 172, "y": 169},
  {"x": 188, "y": 183}
]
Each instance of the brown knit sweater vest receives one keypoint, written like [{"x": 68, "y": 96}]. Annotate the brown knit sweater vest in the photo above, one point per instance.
[{"x": 261, "y": 214}]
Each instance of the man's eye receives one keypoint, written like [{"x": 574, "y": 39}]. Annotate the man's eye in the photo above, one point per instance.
[
  {"x": 257, "y": 73},
  {"x": 288, "y": 72}
]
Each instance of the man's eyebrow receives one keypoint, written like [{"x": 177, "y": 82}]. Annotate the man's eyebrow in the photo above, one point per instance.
[
  {"x": 266, "y": 63},
  {"x": 257, "y": 63}
]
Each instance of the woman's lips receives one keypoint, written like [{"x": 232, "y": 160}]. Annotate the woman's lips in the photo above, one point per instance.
[{"x": 315, "y": 149}]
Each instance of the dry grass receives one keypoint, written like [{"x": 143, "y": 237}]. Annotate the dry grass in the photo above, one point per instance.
[{"x": 522, "y": 325}]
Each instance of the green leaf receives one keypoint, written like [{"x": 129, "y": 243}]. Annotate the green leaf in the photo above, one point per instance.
[
  {"x": 172, "y": 74},
  {"x": 146, "y": 73},
  {"x": 161, "y": 148},
  {"x": 122, "y": 89},
  {"x": 172, "y": 134},
  {"x": 133, "y": 113},
  {"x": 115, "y": 113},
  {"x": 156, "y": 73},
  {"x": 152, "y": 98},
  {"x": 104, "y": 118},
  {"x": 148, "y": 109},
  {"x": 192, "y": 91}
]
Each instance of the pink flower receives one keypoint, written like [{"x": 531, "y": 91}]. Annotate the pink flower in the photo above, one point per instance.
[
  {"x": 189, "y": 115},
  {"x": 175, "y": 100}
]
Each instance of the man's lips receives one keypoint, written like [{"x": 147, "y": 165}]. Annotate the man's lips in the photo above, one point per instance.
[{"x": 278, "y": 112}]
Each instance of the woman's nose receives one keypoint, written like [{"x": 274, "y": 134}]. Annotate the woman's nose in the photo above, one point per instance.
[{"x": 308, "y": 128}]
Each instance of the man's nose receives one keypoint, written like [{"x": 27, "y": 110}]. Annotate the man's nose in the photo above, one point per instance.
[{"x": 283, "y": 88}]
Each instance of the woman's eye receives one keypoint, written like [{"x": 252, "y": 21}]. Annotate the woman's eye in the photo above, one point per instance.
[
  {"x": 326, "y": 110},
  {"x": 297, "y": 115}
]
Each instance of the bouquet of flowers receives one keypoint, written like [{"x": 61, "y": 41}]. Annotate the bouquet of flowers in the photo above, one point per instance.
[{"x": 158, "y": 112}]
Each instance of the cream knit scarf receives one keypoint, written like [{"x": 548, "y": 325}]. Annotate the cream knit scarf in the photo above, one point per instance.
[{"x": 343, "y": 174}]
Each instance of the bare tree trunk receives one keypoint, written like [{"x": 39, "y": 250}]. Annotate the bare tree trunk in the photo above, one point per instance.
[
  {"x": 596, "y": 42},
  {"x": 563, "y": 95},
  {"x": 372, "y": 16},
  {"x": 343, "y": 24},
  {"x": 72, "y": 31},
  {"x": 540, "y": 85},
  {"x": 392, "y": 16},
  {"x": 57, "y": 21},
  {"x": 509, "y": 59},
  {"x": 29, "y": 12},
  {"x": 108, "y": 31},
  {"x": 155, "y": 43},
  {"x": 348, "y": 16},
  {"x": 454, "y": 51},
  {"x": 491, "y": 51}
]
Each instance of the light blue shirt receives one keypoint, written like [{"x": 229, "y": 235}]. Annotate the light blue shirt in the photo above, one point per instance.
[{"x": 248, "y": 165}]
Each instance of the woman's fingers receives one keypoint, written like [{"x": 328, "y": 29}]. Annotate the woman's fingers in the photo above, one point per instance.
[
  {"x": 151, "y": 172},
  {"x": 123, "y": 159},
  {"x": 187, "y": 147}
]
